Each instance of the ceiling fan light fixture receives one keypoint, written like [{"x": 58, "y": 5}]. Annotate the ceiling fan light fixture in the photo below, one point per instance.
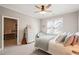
[
  {"x": 43, "y": 9},
  {"x": 42, "y": 12}
]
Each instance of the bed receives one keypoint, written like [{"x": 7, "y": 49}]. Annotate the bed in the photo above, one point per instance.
[{"x": 47, "y": 43}]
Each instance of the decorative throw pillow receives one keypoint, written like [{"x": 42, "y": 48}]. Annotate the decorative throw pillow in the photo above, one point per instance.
[
  {"x": 77, "y": 37},
  {"x": 68, "y": 35},
  {"x": 75, "y": 40},
  {"x": 64, "y": 36},
  {"x": 78, "y": 40},
  {"x": 69, "y": 40}
]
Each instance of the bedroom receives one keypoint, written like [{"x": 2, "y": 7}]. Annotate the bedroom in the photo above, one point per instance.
[{"x": 28, "y": 16}]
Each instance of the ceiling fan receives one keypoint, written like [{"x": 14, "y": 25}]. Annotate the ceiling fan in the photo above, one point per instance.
[{"x": 43, "y": 8}]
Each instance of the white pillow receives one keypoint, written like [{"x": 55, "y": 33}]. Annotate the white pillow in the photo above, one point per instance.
[
  {"x": 54, "y": 39},
  {"x": 61, "y": 38},
  {"x": 77, "y": 33}
]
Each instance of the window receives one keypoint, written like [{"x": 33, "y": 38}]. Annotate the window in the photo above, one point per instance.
[{"x": 55, "y": 26}]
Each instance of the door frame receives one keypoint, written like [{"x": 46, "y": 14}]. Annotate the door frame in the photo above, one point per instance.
[{"x": 3, "y": 29}]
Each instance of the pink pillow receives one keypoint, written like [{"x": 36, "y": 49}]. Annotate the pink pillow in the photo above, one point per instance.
[
  {"x": 75, "y": 40},
  {"x": 69, "y": 41}
]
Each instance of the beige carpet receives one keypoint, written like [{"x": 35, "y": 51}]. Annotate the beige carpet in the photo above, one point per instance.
[{"x": 28, "y": 49}]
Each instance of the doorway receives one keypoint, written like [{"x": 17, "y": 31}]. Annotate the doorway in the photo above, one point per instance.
[{"x": 10, "y": 31}]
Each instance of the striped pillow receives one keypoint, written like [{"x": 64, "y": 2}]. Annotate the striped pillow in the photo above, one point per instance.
[{"x": 69, "y": 40}]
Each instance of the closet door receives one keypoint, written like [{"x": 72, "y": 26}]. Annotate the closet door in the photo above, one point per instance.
[{"x": 0, "y": 32}]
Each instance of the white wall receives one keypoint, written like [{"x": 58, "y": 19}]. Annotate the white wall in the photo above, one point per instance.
[
  {"x": 43, "y": 24},
  {"x": 23, "y": 21},
  {"x": 78, "y": 21},
  {"x": 70, "y": 22},
  {"x": 0, "y": 33}
]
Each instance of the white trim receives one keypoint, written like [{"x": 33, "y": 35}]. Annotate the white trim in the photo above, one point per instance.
[
  {"x": 2, "y": 33},
  {"x": 3, "y": 29}
]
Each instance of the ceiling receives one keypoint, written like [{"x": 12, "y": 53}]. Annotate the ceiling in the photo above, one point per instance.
[{"x": 29, "y": 9}]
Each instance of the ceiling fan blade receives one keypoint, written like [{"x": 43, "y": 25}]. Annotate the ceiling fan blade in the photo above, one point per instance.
[
  {"x": 37, "y": 6},
  {"x": 48, "y": 5}
]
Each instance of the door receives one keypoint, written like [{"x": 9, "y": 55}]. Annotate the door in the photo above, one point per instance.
[{"x": 10, "y": 32}]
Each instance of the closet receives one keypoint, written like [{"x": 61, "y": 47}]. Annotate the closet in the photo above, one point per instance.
[{"x": 10, "y": 32}]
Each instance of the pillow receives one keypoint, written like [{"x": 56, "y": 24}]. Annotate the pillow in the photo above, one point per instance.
[
  {"x": 64, "y": 36},
  {"x": 77, "y": 37},
  {"x": 55, "y": 38},
  {"x": 69, "y": 40},
  {"x": 78, "y": 40},
  {"x": 77, "y": 33},
  {"x": 75, "y": 40},
  {"x": 68, "y": 35},
  {"x": 61, "y": 38}
]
